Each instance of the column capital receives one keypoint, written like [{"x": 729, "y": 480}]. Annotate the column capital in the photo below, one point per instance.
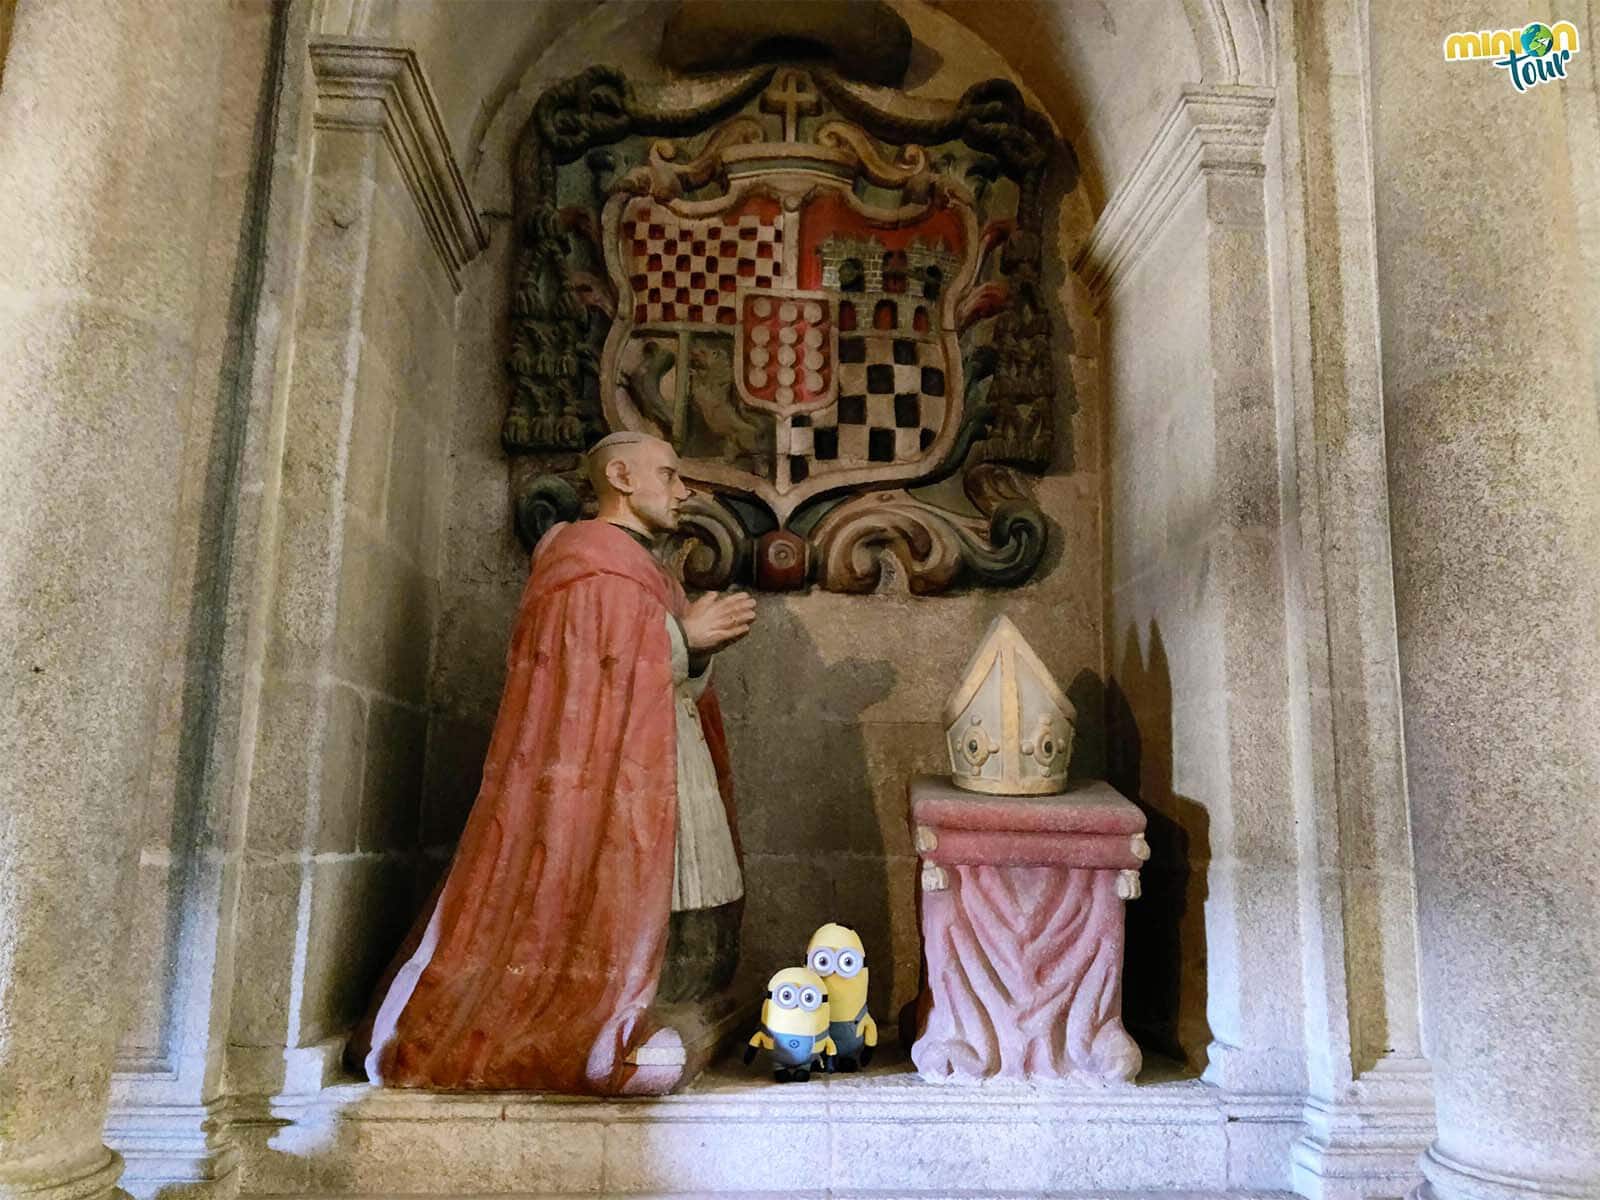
[
  {"x": 1210, "y": 131},
  {"x": 369, "y": 86}
]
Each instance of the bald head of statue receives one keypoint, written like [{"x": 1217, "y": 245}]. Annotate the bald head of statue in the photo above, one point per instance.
[{"x": 636, "y": 480}]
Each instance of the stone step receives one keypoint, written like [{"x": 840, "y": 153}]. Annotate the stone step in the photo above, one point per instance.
[
  {"x": 850, "y": 1194},
  {"x": 881, "y": 1133}
]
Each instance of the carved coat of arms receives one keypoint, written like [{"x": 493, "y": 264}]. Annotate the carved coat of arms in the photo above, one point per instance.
[{"x": 819, "y": 317}]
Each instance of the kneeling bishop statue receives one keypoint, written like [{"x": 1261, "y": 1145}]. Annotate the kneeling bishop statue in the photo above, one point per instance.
[{"x": 604, "y": 822}]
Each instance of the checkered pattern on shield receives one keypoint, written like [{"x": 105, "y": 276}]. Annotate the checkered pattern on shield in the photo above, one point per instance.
[
  {"x": 688, "y": 271},
  {"x": 891, "y": 406}
]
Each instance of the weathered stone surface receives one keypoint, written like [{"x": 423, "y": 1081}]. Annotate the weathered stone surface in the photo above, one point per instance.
[
  {"x": 1226, "y": 382},
  {"x": 879, "y": 1132},
  {"x": 360, "y": 909},
  {"x": 97, "y": 335},
  {"x": 391, "y": 795},
  {"x": 268, "y": 922},
  {"x": 1494, "y": 483},
  {"x": 1195, "y": 576}
]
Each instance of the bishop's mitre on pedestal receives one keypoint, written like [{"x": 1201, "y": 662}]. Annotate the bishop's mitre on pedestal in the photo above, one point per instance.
[{"x": 1008, "y": 726}]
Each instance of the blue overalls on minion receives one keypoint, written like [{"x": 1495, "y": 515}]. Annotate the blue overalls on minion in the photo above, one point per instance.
[
  {"x": 848, "y": 1041},
  {"x": 794, "y": 1049}
]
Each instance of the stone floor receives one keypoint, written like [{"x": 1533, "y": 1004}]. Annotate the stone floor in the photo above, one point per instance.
[{"x": 878, "y": 1134}]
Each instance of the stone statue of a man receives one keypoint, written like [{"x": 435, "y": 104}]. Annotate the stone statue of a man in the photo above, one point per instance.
[{"x": 604, "y": 819}]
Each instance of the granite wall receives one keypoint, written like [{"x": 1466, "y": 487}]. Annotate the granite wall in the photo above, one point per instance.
[{"x": 334, "y": 803}]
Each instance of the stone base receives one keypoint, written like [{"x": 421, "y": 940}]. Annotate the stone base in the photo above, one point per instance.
[
  {"x": 91, "y": 1179},
  {"x": 880, "y": 1133},
  {"x": 1446, "y": 1179},
  {"x": 1367, "y": 1144}
]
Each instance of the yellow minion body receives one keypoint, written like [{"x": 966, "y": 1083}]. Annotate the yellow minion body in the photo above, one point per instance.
[
  {"x": 835, "y": 954},
  {"x": 794, "y": 1024}
]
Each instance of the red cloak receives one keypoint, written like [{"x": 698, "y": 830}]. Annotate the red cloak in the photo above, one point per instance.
[{"x": 536, "y": 964}]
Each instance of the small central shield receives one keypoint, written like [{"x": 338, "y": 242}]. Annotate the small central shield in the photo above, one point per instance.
[
  {"x": 788, "y": 337},
  {"x": 787, "y": 349}
]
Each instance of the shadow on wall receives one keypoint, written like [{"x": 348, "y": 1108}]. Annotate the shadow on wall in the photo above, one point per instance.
[
  {"x": 814, "y": 848},
  {"x": 1164, "y": 979},
  {"x": 808, "y": 809}
]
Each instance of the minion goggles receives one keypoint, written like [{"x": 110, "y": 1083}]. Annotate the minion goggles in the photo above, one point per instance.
[{"x": 791, "y": 995}]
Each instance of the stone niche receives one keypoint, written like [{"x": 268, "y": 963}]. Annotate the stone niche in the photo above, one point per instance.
[
  {"x": 833, "y": 700},
  {"x": 372, "y": 654}
]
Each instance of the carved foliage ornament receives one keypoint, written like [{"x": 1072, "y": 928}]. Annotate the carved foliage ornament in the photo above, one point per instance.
[{"x": 822, "y": 303}]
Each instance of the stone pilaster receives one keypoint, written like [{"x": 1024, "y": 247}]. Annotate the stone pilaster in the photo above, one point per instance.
[
  {"x": 107, "y": 120},
  {"x": 352, "y": 492},
  {"x": 1494, "y": 484},
  {"x": 1369, "y": 1107},
  {"x": 1180, "y": 268}
]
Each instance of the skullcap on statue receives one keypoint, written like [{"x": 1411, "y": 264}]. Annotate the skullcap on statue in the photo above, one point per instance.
[
  {"x": 626, "y": 437},
  {"x": 1008, "y": 726},
  {"x": 612, "y": 446}
]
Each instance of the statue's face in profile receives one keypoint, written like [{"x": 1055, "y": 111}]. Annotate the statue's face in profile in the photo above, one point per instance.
[{"x": 657, "y": 489}]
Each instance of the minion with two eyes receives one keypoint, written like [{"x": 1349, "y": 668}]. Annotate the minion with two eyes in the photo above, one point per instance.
[
  {"x": 794, "y": 1025},
  {"x": 837, "y": 957}
]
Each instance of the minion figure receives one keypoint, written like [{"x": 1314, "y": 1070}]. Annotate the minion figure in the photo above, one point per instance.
[
  {"x": 794, "y": 1025},
  {"x": 836, "y": 956}
]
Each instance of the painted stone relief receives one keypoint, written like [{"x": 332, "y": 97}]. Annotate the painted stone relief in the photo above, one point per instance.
[
  {"x": 586, "y": 930},
  {"x": 824, "y": 303}
]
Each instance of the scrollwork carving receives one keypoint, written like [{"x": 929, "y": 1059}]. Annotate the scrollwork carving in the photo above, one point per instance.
[
  {"x": 664, "y": 178},
  {"x": 542, "y": 503},
  {"x": 909, "y": 170},
  {"x": 853, "y": 541},
  {"x": 933, "y": 547},
  {"x": 552, "y": 360},
  {"x": 710, "y": 548}
]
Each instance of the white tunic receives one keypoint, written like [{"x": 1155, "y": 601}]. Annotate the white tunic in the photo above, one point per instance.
[{"x": 705, "y": 867}]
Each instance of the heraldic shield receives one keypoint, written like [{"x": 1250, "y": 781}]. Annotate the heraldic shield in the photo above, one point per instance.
[
  {"x": 827, "y": 300},
  {"x": 789, "y": 337}
]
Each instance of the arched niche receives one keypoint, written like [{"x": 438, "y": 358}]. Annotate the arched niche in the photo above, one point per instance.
[
  {"x": 837, "y": 699},
  {"x": 1167, "y": 586}
]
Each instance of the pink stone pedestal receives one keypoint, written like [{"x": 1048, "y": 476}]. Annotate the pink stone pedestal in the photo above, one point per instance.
[{"x": 1020, "y": 908}]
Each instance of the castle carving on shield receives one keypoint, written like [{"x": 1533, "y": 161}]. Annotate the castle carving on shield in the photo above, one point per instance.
[{"x": 858, "y": 264}]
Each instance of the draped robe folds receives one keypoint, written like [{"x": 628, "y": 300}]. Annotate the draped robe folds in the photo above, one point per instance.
[{"x": 535, "y": 966}]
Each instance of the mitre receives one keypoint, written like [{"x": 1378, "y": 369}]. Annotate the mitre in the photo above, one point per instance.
[{"x": 1009, "y": 726}]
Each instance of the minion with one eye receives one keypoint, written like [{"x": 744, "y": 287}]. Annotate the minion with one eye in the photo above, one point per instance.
[
  {"x": 794, "y": 1025},
  {"x": 838, "y": 959}
]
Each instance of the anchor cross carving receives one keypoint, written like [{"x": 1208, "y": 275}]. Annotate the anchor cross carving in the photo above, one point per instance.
[{"x": 791, "y": 93}]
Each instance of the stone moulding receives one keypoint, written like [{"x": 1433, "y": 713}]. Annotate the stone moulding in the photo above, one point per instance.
[
  {"x": 367, "y": 86},
  {"x": 1446, "y": 1176},
  {"x": 884, "y": 1133},
  {"x": 1365, "y": 1145},
  {"x": 90, "y": 1178},
  {"x": 1210, "y": 131},
  {"x": 166, "y": 1144}
]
